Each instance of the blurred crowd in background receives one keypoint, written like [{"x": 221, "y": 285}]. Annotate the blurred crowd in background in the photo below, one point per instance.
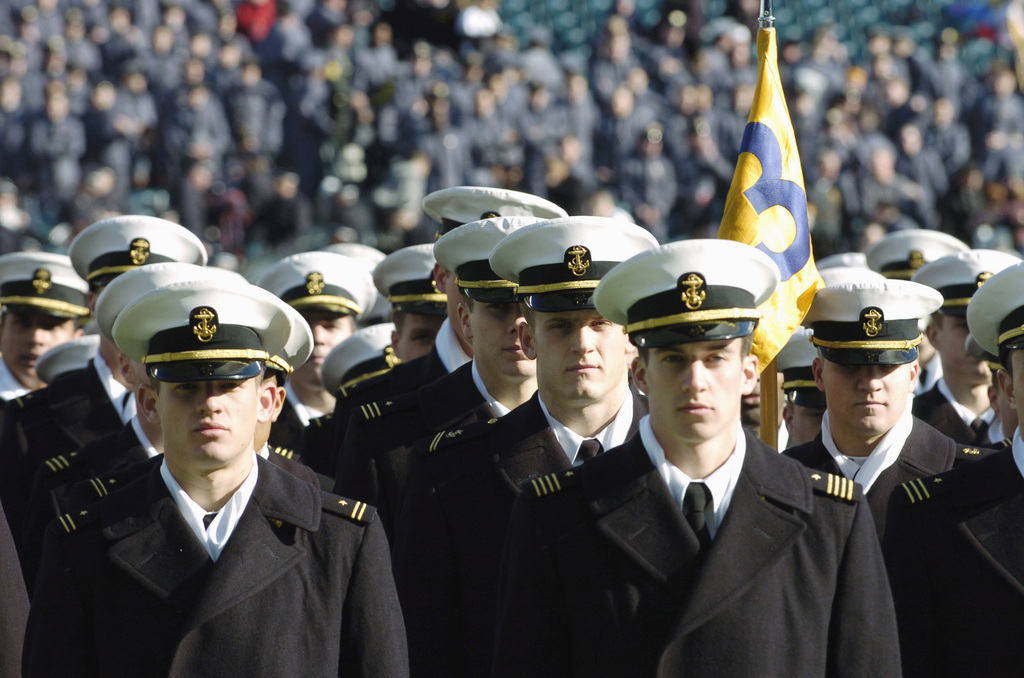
[{"x": 270, "y": 126}]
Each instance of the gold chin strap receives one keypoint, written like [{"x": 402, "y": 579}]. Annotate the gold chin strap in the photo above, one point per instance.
[
  {"x": 696, "y": 317},
  {"x": 212, "y": 354},
  {"x": 870, "y": 345}
]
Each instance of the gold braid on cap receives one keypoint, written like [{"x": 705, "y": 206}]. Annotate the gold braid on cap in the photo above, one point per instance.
[
  {"x": 559, "y": 287},
  {"x": 871, "y": 345},
  {"x": 327, "y": 300},
  {"x": 438, "y": 298},
  {"x": 48, "y": 304},
  {"x": 799, "y": 383},
  {"x": 696, "y": 317},
  {"x": 277, "y": 362},
  {"x": 485, "y": 284},
  {"x": 212, "y": 354}
]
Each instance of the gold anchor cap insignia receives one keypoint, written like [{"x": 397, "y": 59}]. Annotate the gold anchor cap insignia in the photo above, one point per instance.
[
  {"x": 491, "y": 214},
  {"x": 139, "y": 251},
  {"x": 577, "y": 259},
  {"x": 315, "y": 283},
  {"x": 872, "y": 319},
  {"x": 915, "y": 260},
  {"x": 42, "y": 280},
  {"x": 983, "y": 277},
  {"x": 694, "y": 292},
  {"x": 203, "y": 321}
]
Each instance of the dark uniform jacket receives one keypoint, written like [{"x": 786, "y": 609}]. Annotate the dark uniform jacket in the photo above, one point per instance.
[
  {"x": 372, "y": 465},
  {"x": 451, "y": 530},
  {"x": 935, "y": 409},
  {"x": 55, "y": 477},
  {"x": 13, "y": 604},
  {"x": 303, "y": 588},
  {"x": 72, "y": 411},
  {"x": 603, "y": 577},
  {"x": 403, "y": 378},
  {"x": 956, "y": 566},
  {"x": 286, "y": 433},
  {"x": 926, "y": 452}
]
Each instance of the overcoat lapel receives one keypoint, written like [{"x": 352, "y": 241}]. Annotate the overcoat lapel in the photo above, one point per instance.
[
  {"x": 256, "y": 556},
  {"x": 640, "y": 518},
  {"x": 532, "y": 452},
  {"x": 995, "y": 529},
  {"x": 452, "y": 394},
  {"x": 156, "y": 548},
  {"x": 758, "y": 529}
]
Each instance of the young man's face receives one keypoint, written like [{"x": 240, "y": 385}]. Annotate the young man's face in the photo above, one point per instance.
[
  {"x": 948, "y": 334},
  {"x": 802, "y": 423},
  {"x": 207, "y": 425},
  {"x": 695, "y": 390},
  {"x": 494, "y": 331},
  {"x": 1012, "y": 385},
  {"x": 329, "y": 330},
  {"x": 414, "y": 334},
  {"x": 581, "y": 355},
  {"x": 864, "y": 401},
  {"x": 26, "y": 336}
]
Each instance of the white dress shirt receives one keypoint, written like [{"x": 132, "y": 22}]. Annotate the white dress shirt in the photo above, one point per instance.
[
  {"x": 10, "y": 387},
  {"x": 124, "y": 406},
  {"x": 144, "y": 440},
  {"x": 968, "y": 417},
  {"x": 865, "y": 470},
  {"x": 306, "y": 414},
  {"x": 721, "y": 483},
  {"x": 448, "y": 347},
  {"x": 612, "y": 435},
  {"x": 214, "y": 538},
  {"x": 499, "y": 409}
]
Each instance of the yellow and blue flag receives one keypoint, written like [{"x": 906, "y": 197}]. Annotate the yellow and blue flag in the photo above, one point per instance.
[{"x": 767, "y": 205}]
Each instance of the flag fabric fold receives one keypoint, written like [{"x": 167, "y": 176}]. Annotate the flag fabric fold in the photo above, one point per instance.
[{"x": 767, "y": 205}]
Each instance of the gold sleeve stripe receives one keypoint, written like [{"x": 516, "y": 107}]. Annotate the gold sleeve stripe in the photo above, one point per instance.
[
  {"x": 358, "y": 510},
  {"x": 435, "y": 441},
  {"x": 69, "y": 525},
  {"x": 97, "y": 484}
]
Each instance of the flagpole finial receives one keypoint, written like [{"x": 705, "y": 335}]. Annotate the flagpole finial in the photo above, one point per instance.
[{"x": 766, "y": 19}]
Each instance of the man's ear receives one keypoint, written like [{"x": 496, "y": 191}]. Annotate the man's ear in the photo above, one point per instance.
[
  {"x": 639, "y": 370},
  {"x": 750, "y": 373},
  {"x": 266, "y": 400},
  {"x": 463, "y": 310},
  {"x": 817, "y": 367},
  {"x": 526, "y": 340},
  {"x": 146, "y": 401},
  {"x": 1006, "y": 385},
  {"x": 441, "y": 278}
]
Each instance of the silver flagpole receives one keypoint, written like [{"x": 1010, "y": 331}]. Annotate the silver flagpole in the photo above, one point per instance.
[{"x": 766, "y": 20}]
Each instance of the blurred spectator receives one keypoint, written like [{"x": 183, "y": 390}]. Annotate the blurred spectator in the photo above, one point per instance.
[
  {"x": 285, "y": 216},
  {"x": 56, "y": 144},
  {"x": 649, "y": 183},
  {"x": 14, "y": 221}
]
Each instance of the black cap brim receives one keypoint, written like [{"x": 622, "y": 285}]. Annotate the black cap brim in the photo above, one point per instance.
[
  {"x": 856, "y": 356},
  {"x": 688, "y": 333},
  {"x": 205, "y": 370},
  {"x": 557, "y": 302}
]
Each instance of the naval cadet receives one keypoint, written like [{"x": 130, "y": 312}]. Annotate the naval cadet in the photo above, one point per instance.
[
  {"x": 693, "y": 549},
  {"x": 83, "y": 405},
  {"x": 462, "y": 482},
  {"x": 137, "y": 440},
  {"x": 331, "y": 292},
  {"x": 953, "y": 540},
  {"x": 42, "y": 300},
  {"x": 450, "y": 207},
  {"x": 216, "y": 545},
  {"x": 372, "y": 464},
  {"x": 867, "y": 336},
  {"x": 805, "y": 402},
  {"x": 368, "y": 353},
  {"x": 898, "y": 256},
  {"x": 958, "y": 405},
  {"x": 419, "y": 310}
]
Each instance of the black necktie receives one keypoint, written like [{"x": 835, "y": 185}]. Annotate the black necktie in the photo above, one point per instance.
[
  {"x": 208, "y": 518},
  {"x": 696, "y": 505},
  {"x": 979, "y": 426},
  {"x": 589, "y": 448}
]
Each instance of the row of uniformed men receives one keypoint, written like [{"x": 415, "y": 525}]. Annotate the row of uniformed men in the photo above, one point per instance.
[{"x": 582, "y": 395}]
